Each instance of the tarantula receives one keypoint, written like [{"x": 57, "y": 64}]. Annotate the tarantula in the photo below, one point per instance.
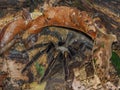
[{"x": 63, "y": 51}]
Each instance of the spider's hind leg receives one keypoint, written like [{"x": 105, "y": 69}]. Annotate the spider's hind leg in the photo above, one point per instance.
[
  {"x": 82, "y": 45},
  {"x": 69, "y": 38},
  {"x": 55, "y": 34},
  {"x": 86, "y": 45}
]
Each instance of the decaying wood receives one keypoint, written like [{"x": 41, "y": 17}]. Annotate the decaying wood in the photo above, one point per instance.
[{"x": 102, "y": 53}]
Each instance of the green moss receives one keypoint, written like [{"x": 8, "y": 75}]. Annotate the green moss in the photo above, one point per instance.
[
  {"x": 39, "y": 68},
  {"x": 115, "y": 60}
]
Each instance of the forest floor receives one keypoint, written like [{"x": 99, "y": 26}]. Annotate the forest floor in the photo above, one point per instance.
[{"x": 82, "y": 77}]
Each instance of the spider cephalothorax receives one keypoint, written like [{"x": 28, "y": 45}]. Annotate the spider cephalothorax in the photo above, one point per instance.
[{"x": 62, "y": 51}]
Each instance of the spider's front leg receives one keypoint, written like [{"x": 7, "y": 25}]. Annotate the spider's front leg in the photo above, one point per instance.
[
  {"x": 36, "y": 46},
  {"x": 51, "y": 64},
  {"x": 40, "y": 53}
]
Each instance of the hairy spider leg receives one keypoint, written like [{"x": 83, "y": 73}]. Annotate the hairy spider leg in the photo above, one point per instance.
[
  {"x": 76, "y": 51},
  {"x": 51, "y": 54},
  {"x": 14, "y": 54},
  {"x": 88, "y": 45},
  {"x": 33, "y": 2},
  {"x": 72, "y": 50},
  {"x": 35, "y": 47},
  {"x": 65, "y": 61},
  {"x": 51, "y": 65},
  {"x": 33, "y": 38},
  {"x": 83, "y": 45},
  {"x": 36, "y": 57},
  {"x": 55, "y": 34},
  {"x": 45, "y": 31},
  {"x": 69, "y": 37}
]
